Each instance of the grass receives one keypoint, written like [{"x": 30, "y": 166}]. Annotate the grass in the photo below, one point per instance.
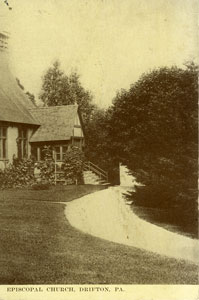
[
  {"x": 38, "y": 246},
  {"x": 59, "y": 193}
]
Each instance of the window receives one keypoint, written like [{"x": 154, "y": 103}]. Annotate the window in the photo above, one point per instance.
[
  {"x": 57, "y": 153},
  {"x": 3, "y": 142},
  {"x": 33, "y": 152},
  {"x": 60, "y": 152},
  {"x": 77, "y": 142},
  {"x": 22, "y": 143},
  {"x": 64, "y": 150}
]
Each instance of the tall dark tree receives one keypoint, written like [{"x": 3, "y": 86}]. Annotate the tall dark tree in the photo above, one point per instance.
[
  {"x": 154, "y": 130},
  {"x": 60, "y": 89},
  {"x": 157, "y": 117}
]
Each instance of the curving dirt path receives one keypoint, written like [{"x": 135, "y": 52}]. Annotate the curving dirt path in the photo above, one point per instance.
[{"x": 104, "y": 214}]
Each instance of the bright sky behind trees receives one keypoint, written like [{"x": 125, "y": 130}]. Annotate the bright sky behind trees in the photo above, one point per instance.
[{"x": 110, "y": 43}]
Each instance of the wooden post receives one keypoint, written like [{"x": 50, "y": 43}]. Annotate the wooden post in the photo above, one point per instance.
[
  {"x": 55, "y": 170},
  {"x": 38, "y": 154},
  {"x": 61, "y": 153}
]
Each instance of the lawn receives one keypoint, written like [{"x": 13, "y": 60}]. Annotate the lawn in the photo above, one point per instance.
[{"x": 38, "y": 246}]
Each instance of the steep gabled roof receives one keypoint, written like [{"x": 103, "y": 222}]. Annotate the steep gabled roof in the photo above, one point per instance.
[
  {"x": 13, "y": 102},
  {"x": 14, "y": 105},
  {"x": 57, "y": 123}
]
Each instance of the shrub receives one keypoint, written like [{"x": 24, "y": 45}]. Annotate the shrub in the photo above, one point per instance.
[
  {"x": 73, "y": 165},
  {"x": 21, "y": 172},
  {"x": 18, "y": 174},
  {"x": 47, "y": 167},
  {"x": 159, "y": 196}
]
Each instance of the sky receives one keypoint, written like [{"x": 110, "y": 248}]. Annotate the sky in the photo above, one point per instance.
[{"x": 110, "y": 43}]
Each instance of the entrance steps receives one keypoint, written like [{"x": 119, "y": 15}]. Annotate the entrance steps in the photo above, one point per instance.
[{"x": 92, "y": 174}]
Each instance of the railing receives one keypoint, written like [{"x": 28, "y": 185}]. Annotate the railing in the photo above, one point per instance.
[
  {"x": 87, "y": 166},
  {"x": 97, "y": 170}
]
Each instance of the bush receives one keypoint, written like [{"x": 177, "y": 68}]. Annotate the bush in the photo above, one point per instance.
[
  {"x": 18, "y": 174},
  {"x": 73, "y": 165},
  {"x": 47, "y": 167},
  {"x": 158, "y": 196},
  {"x": 21, "y": 172}
]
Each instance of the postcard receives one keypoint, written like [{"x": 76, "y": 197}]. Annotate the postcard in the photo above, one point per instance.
[{"x": 98, "y": 150}]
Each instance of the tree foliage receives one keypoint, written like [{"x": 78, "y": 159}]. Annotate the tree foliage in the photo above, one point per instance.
[
  {"x": 60, "y": 89},
  {"x": 98, "y": 147},
  {"x": 152, "y": 127},
  {"x": 18, "y": 174},
  {"x": 155, "y": 122}
]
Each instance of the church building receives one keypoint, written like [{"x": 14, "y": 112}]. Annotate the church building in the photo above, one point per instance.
[{"x": 24, "y": 128}]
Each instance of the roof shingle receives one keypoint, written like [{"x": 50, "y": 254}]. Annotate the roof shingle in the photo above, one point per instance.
[
  {"x": 57, "y": 123},
  {"x": 13, "y": 102}
]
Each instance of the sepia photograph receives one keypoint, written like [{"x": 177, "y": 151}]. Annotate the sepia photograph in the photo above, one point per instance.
[{"x": 98, "y": 149}]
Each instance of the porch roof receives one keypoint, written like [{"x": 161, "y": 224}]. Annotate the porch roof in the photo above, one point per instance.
[{"x": 57, "y": 123}]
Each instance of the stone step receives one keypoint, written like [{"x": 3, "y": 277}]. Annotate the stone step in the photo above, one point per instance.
[{"x": 91, "y": 178}]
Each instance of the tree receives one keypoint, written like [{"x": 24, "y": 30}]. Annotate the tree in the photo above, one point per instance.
[
  {"x": 157, "y": 117},
  {"x": 60, "y": 89},
  {"x": 98, "y": 147},
  {"x": 154, "y": 131}
]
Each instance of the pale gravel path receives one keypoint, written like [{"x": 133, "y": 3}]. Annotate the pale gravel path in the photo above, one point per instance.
[{"x": 104, "y": 214}]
